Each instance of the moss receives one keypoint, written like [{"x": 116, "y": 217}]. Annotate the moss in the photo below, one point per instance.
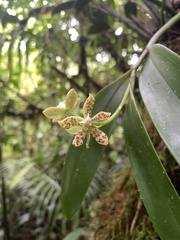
[{"x": 114, "y": 213}]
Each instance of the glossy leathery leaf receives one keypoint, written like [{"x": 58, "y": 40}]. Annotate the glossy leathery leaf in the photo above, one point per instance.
[
  {"x": 168, "y": 64},
  {"x": 160, "y": 98},
  {"x": 157, "y": 192},
  {"x": 81, "y": 162}
]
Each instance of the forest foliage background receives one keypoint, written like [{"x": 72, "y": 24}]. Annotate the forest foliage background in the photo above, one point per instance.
[{"x": 47, "y": 48}]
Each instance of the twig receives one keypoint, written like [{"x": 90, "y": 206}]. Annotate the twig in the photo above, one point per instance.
[
  {"x": 72, "y": 82},
  {"x": 162, "y": 12},
  {"x": 133, "y": 223},
  {"x": 124, "y": 20},
  {"x": 156, "y": 36}
]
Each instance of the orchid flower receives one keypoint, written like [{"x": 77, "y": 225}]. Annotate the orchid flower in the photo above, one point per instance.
[
  {"x": 64, "y": 108},
  {"x": 85, "y": 126}
]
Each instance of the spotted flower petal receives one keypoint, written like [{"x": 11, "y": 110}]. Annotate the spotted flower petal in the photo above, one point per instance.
[
  {"x": 70, "y": 122},
  {"x": 79, "y": 138},
  {"x": 88, "y": 105},
  {"x": 101, "y": 116},
  {"x": 99, "y": 135}
]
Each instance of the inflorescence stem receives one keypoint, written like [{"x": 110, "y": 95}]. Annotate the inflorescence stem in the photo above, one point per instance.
[{"x": 152, "y": 41}]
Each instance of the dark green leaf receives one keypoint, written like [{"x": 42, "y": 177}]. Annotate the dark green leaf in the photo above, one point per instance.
[
  {"x": 130, "y": 8},
  {"x": 80, "y": 5},
  {"x": 8, "y": 19},
  {"x": 76, "y": 234},
  {"x": 81, "y": 163},
  {"x": 160, "y": 99},
  {"x": 156, "y": 190},
  {"x": 98, "y": 28},
  {"x": 99, "y": 17},
  {"x": 63, "y": 7}
]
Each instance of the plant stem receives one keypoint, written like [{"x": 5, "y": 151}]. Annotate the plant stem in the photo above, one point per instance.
[{"x": 115, "y": 114}]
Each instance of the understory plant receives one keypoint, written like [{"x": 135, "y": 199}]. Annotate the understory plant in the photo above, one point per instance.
[{"x": 159, "y": 86}]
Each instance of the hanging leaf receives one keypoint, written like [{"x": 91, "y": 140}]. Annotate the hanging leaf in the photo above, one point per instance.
[
  {"x": 7, "y": 18},
  {"x": 98, "y": 28},
  {"x": 130, "y": 8},
  {"x": 80, "y": 5},
  {"x": 81, "y": 163},
  {"x": 159, "y": 87},
  {"x": 156, "y": 190},
  {"x": 101, "y": 22},
  {"x": 63, "y": 7}
]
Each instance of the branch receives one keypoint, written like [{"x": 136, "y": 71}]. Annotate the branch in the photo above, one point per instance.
[
  {"x": 124, "y": 20},
  {"x": 17, "y": 31},
  {"x": 168, "y": 8},
  {"x": 153, "y": 10},
  {"x": 31, "y": 109},
  {"x": 72, "y": 82},
  {"x": 156, "y": 36},
  {"x": 83, "y": 65}
]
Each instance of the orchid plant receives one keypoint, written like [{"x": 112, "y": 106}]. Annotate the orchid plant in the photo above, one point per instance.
[
  {"x": 159, "y": 86},
  {"x": 82, "y": 127}
]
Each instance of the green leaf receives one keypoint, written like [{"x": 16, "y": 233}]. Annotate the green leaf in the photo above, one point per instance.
[
  {"x": 80, "y": 5},
  {"x": 160, "y": 98},
  {"x": 76, "y": 234},
  {"x": 7, "y": 18},
  {"x": 98, "y": 28},
  {"x": 20, "y": 175},
  {"x": 81, "y": 163},
  {"x": 168, "y": 64},
  {"x": 101, "y": 22},
  {"x": 130, "y": 8},
  {"x": 63, "y": 7},
  {"x": 156, "y": 190}
]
